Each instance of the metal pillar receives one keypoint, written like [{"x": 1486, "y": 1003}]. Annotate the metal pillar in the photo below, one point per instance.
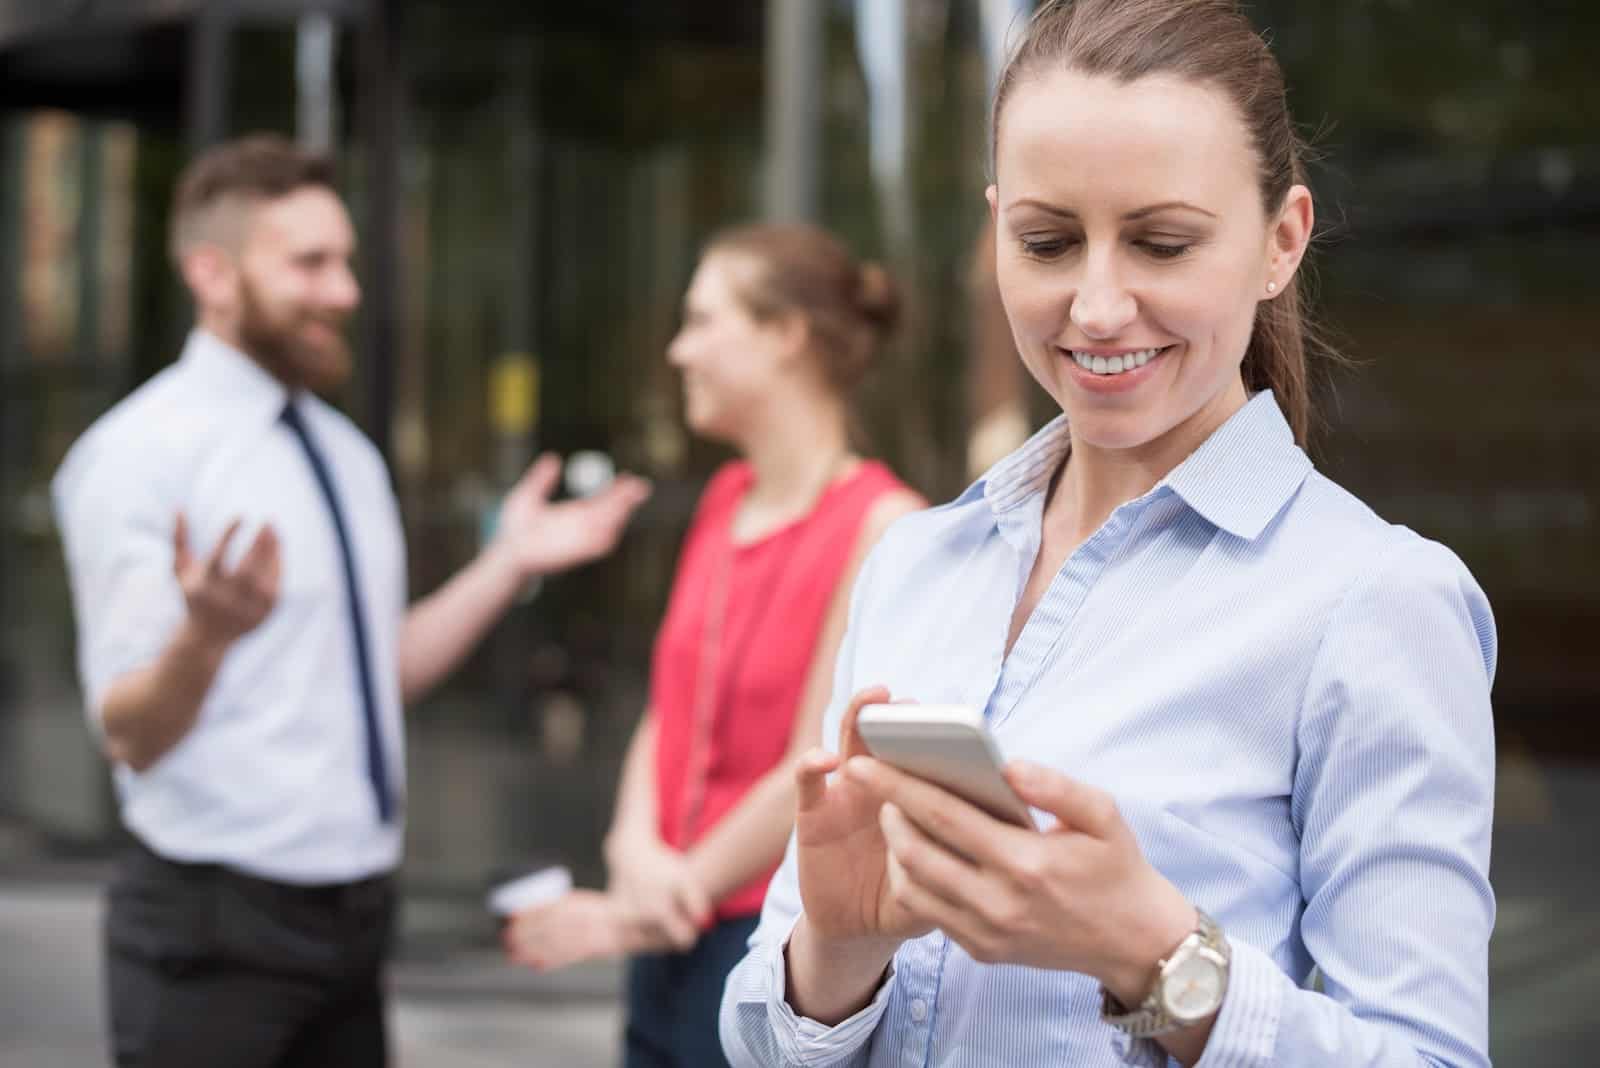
[
  {"x": 210, "y": 75},
  {"x": 13, "y": 414},
  {"x": 316, "y": 97},
  {"x": 91, "y": 210},
  {"x": 793, "y": 108},
  {"x": 383, "y": 85}
]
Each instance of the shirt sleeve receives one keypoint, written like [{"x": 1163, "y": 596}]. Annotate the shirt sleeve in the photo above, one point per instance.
[
  {"x": 1393, "y": 802},
  {"x": 116, "y": 515},
  {"x": 758, "y": 1027}
]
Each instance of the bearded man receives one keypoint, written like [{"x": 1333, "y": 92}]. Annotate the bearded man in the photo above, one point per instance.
[{"x": 246, "y": 646}]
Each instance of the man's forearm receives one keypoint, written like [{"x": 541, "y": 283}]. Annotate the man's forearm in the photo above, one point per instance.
[
  {"x": 147, "y": 712},
  {"x": 442, "y": 628}
]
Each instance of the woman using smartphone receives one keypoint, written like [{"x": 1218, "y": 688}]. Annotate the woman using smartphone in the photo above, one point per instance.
[{"x": 1257, "y": 713}]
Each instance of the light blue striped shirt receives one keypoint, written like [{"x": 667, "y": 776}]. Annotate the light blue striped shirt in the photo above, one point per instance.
[{"x": 1289, "y": 699}]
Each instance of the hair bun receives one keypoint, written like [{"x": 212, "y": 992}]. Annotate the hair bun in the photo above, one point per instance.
[{"x": 878, "y": 297}]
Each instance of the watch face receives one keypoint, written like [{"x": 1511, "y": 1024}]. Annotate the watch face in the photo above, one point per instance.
[{"x": 1192, "y": 990}]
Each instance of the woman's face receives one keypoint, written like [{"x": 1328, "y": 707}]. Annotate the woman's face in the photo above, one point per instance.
[
  {"x": 730, "y": 360},
  {"x": 1132, "y": 249}
]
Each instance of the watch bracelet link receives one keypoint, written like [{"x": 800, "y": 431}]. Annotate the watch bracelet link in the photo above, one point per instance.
[{"x": 1150, "y": 1019}]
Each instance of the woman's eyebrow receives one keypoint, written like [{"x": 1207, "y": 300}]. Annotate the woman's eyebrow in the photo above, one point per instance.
[
  {"x": 1137, "y": 213},
  {"x": 1166, "y": 205}
]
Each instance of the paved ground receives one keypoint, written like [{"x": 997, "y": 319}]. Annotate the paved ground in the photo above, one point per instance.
[
  {"x": 457, "y": 1006},
  {"x": 466, "y": 1011}
]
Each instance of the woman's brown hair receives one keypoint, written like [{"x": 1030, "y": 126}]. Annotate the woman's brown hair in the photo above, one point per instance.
[
  {"x": 850, "y": 307},
  {"x": 1209, "y": 42}
]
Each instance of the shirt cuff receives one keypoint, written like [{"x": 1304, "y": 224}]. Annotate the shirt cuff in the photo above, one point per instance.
[
  {"x": 804, "y": 1041},
  {"x": 1139, "y": 1052},
  {"x": 1246, "y": 1031}
]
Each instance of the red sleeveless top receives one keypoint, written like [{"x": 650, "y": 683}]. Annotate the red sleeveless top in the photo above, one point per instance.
[{"x": 734, "y": 650}]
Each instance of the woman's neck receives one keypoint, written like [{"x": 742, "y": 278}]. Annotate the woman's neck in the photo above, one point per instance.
[
  {"x": 795, "y": 455},
  {"x": 1092, "y": 485},
  {"x": 1096, "y": 481}
]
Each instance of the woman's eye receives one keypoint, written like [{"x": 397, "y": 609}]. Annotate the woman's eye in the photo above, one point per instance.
[
  {"x": 1165, "y": 250},
  {"x": 1044, "y": 248}
]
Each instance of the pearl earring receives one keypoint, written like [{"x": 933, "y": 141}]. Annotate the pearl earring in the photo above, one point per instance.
[{"x": 1272, "y": 287}]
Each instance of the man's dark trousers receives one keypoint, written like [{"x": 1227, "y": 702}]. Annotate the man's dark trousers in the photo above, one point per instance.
[{"x": 208, "y": 967}]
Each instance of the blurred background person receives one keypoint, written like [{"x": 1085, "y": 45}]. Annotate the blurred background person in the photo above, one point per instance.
[
  {"x": 251, "y": 701},
  {"x": 780, "y": 323}
]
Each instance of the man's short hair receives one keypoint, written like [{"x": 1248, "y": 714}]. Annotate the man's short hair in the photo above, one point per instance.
[{"x": 236, "y": 175}]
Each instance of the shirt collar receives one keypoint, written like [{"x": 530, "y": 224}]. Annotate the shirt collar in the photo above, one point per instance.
[
  {"x": 1028, "y": 470},
  {"x": 231, "y": 376},
  {"x": 1245, "y": 472},
  {"x": 1238, "y": 479}
]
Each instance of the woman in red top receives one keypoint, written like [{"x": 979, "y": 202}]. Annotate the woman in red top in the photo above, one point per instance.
[{"x": 780, "y": 323}]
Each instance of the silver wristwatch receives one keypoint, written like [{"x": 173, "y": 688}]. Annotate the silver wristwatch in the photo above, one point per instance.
[{"x": 1190, "y": 984}]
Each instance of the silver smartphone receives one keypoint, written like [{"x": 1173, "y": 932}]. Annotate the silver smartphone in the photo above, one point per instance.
[{"x": 948, "y": 746}]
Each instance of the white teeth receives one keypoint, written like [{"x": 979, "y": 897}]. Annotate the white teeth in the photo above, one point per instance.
[{"x": 1113, "y": 365}]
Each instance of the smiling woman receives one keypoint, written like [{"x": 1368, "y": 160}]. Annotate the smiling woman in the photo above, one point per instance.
[
  {"x": 779, "y": 324},
  {"x": 1113, "y": 244},
  {"x": 1248, "y": 766}
]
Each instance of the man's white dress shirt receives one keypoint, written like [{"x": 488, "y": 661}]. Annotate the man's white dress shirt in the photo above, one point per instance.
[{"x": 272, "y": 779}]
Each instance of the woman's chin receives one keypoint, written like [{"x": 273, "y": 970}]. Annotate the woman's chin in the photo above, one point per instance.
[
  {"x": 1113, "y": 431},
  {"x": 707, "y": 423}
]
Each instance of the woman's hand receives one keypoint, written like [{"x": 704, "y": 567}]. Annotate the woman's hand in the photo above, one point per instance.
[
  {"x": 1079, "y": 897},
  {"x": 842, "y": 856},
  {"x": 657, "y": 885},
  {"x": 581, "y": 925}
]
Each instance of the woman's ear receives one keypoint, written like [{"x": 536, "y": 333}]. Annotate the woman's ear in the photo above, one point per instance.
[
  {"x": 794, "y": 335},
  {"x": 1287, "y": 241}
]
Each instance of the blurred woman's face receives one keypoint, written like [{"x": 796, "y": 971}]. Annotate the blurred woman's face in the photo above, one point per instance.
[
  {"x": 1132, "y": 250},
  {"x": 730, "y": 360}
]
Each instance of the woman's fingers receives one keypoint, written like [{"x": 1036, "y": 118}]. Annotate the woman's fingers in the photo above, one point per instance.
[
  {"x": 581, "y": 926},
  {"x": 662, "y": 910},
  {"x": 677, "y": 927},
  {"x": 961, "y": 827},
  {"x": 811, "y": 778},
  {"x": 692, "y": 899},
  {"x": 850, "y": 743},
  {"x": 926, "y": 862},
  {"x": 1077, "y": 805}
]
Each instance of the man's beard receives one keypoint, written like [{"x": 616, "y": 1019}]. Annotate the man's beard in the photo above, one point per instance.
[{"x": 282, "y": 350}]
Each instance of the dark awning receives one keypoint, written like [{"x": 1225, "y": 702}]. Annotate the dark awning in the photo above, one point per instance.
[
  {"x": 38, "y": 21},
  {"x": 123, "y": 58}
]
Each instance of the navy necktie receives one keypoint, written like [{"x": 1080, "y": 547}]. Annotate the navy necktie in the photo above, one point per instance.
[{"x": 376, "y": 762}]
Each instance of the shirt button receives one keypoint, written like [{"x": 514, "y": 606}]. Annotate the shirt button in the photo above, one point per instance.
[{"x": 919, "y": 1010}]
